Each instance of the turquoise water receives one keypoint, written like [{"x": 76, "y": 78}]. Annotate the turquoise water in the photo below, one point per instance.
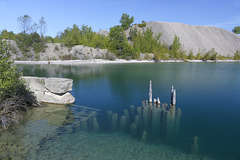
[{"x": 207, "y": 93}]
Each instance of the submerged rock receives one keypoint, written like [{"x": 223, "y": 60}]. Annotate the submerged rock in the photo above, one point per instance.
[{"x": 51, "y": 90}]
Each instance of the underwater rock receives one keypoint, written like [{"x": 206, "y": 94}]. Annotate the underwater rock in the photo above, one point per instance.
[{"x": 49, "y": 97}]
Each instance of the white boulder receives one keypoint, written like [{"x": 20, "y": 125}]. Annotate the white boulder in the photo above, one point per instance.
[
  {"x": 58, "y": 85},
  {"x": 51, "y": 90}
]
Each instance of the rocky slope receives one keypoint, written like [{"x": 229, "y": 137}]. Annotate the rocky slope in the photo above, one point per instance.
[
  {"x": 57, "y": 51},
  {"x": 197, "y": 38}
]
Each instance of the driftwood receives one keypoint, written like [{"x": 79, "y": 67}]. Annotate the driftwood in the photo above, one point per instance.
[{"x": 10, "y": 108}]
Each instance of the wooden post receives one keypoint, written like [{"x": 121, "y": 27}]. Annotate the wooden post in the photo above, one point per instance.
[
  {"x": 150, "y": 92},
  {"x": 173, "y": 96}
]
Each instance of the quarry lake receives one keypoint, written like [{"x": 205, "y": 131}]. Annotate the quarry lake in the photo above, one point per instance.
[{"x": 109, "y": 119}]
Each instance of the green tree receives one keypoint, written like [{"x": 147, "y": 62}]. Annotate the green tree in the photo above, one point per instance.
[
  {"x": 9, "y": 77},
  {"x": 126, "y": 21},
  {"x": 175, "y": 48},
  {"x": 236, "y": 30},
  {"x": 117, "y": 39},
  {"x": 236, "y": 55}
]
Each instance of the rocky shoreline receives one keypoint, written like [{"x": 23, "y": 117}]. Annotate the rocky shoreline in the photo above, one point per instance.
[{"x": 101, "y": 61}]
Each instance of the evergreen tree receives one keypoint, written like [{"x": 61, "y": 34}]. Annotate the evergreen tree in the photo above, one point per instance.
[
  {"x": 117, "y": 40},
  {"x": 175, "y": 48},
  {"x": 126, "y": 21}
]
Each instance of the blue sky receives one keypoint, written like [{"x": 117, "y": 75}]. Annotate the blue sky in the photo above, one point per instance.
[{"x": 103, "y": 14}]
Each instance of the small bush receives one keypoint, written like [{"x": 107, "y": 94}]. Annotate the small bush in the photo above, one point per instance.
[
  {"x": 56, "y": 48},
  {"x": 110, "y": 56},
  {"x": 142, "y": 25},
  {"x": 190, "y": 55},
  {"x": 210, "y": 55},
  {"x": 236, "y": 55}
]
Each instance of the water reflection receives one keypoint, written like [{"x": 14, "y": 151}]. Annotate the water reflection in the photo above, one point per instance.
[
  {"x": 148, "y": 122},
  {"x": 75, "y": 72}
]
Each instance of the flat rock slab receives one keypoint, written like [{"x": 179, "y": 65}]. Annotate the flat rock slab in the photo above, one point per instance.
[
  {"x": 36, "y": 83},
  {"x": 51, "y": 90},
  {"x": 58, "y": 85},
  {"x": 48, "y": 97}
]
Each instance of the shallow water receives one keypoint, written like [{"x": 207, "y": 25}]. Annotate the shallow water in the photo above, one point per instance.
[{"x": 207, "y": 93}]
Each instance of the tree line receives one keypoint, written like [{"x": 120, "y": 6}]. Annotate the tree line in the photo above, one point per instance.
[{"x": 124, "y": 46}]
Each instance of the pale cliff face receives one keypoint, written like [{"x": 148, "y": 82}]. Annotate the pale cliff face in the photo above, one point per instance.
[{"x": 198, "y": 37}]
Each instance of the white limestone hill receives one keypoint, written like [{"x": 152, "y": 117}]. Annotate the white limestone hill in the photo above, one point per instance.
[{"x": 197, "y": 38}]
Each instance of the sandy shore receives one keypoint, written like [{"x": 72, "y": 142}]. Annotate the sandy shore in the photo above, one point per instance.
[
  {"x": 76, "y": 62},
  {"x": 101, "y": 61}
]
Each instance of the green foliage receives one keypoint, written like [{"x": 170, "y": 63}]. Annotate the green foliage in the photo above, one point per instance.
[
  {"x": 175, "y": 48},
  {"x": 142, "y": 25},
  {"x": 190, "y": 55},
  {"x": 7, "y": 35},
  {"x": 117, "y": 40},
  {"x": 237, "y": 55},
  {"x": 209, "y": 55},
  {"x": 84, "y": 36},
  {"x": 9, "y": 77},
  {"x": 236, "y": 30},
  {"x": 126, "y": 21},
  {"x": 198, "y": 55},
  {"x": 14, "y": 96},
  {"x": 27, "y": 41},
  {"x": 49, "y": 39}
]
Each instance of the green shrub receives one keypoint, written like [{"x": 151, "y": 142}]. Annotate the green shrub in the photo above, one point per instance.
[
  {"x": 56, "y": 48},
  {"x": 236, "y": 55},
  {"x": 209, "y": 55},
  {"x": 14, "y": 95},
  {"x": 190, "y": 55},
  {"x": 142, "y": 25}
]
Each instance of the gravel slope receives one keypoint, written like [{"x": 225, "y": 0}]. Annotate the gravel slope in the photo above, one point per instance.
[{"x": 198, "y": 37}]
